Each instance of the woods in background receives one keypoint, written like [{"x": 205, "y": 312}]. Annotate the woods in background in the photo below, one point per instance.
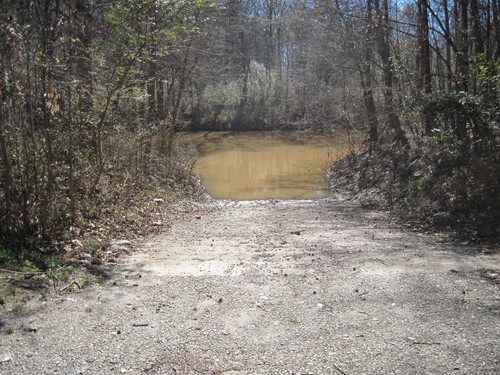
[
  {"x": 81, "y": 109},
  {"x": 93, "y": 91}
]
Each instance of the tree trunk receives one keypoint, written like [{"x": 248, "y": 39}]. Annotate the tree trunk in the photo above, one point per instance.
[
  {"x": 5, "y": 222},
  {"x": 424, "y": 79},
  {"x": 448, "y": 44},
  {"x": 244, "y": 96},
  {"x": 366, "y": 83},
  {"x": 383, "y": 40},
  {"x": 462, "y": 58},
  {"x": 462, "y": 62},
  {"x": 185, "y": 73}
]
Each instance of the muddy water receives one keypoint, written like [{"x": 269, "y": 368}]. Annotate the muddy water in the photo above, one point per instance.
[{"x": 267, "y": 165}]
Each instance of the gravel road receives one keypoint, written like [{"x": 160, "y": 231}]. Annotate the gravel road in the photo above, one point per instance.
[{"x": 272, "y": 287}]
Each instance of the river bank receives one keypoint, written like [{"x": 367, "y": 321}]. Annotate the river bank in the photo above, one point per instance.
[{"x": 272, "y": 287}]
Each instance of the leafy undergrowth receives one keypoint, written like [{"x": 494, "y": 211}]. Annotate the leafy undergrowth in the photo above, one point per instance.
[
  {"x": 85, "y": 257},
  {"x": 430, "y": 186},
  {"x": 82, "y": 255}
]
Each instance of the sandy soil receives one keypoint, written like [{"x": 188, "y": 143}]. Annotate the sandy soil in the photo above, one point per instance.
[{"x": 274, "y": 287}]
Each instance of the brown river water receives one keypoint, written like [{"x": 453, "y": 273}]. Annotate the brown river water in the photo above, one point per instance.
[{"x": 268, "y": 165}]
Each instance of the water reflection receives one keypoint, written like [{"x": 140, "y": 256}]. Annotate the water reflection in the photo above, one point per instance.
[{"x": 267, "y": 165}]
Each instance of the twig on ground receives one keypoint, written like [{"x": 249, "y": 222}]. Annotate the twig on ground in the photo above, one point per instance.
[
  {"x": 338, "y": 369},
  {"x": 74, "y": 282}
]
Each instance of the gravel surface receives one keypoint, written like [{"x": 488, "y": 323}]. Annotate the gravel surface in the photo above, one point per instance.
[{"x": 273, "y": 287}]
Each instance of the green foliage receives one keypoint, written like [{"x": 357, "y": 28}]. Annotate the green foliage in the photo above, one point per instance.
[
  {"x": 422, "y": 185},
  {"x": 54, "y": 262},
  {"x": 15, "y": 259},
  {"x": 6, "y": 256},
  {"x": 488, "y": 72},
  {"x": 458, "y": 188},
  {"x": 449, "y": 108},
  {"x": 447, "y": 179}
]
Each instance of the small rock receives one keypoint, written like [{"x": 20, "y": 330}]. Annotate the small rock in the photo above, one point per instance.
[
  {"x": 120, "y": 243},
  {"x": 5, "y": 357}
]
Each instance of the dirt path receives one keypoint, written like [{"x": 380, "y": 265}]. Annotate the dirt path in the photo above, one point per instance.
[{"x": 305, "y": 287}]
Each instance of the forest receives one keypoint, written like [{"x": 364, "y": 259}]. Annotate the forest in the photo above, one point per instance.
[{"x": 93, "y": 93}]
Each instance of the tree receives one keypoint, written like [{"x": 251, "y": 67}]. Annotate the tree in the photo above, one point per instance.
[
  {"x": 367, "y": 79},
  {"x": 424, "y": 79},
  {"x": 72, "y": 80}
]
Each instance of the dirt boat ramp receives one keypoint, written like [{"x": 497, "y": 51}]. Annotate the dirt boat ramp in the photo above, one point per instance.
[{"x": 272, "y": 288}]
